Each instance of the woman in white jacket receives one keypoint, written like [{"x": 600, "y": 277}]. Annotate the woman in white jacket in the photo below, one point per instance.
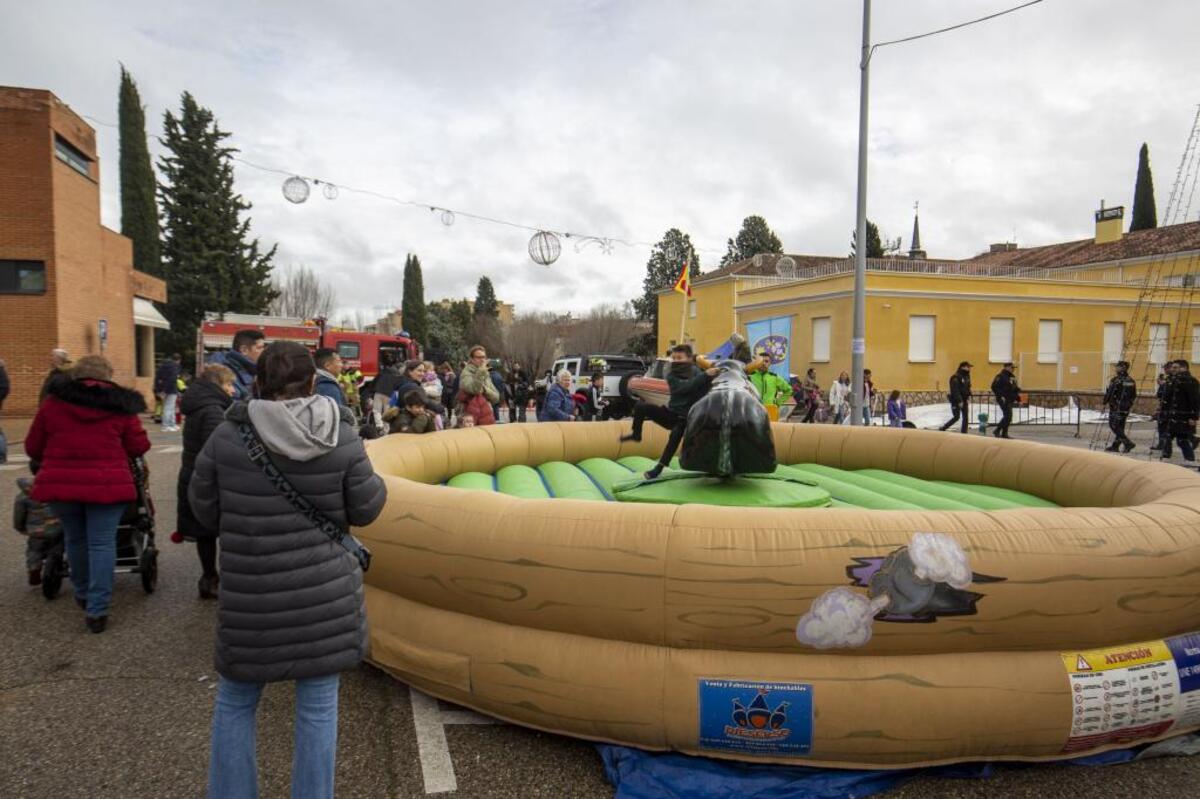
[{"x": 839, "y": 398}]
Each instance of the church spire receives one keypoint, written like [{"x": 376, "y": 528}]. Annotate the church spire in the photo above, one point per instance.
[{"x": 915, "y": 253}]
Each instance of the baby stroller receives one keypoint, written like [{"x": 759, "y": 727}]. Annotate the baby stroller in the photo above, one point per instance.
[{"x": 136, "y": 552}]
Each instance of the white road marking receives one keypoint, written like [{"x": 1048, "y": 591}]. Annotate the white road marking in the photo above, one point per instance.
[
  {"x": 429, "y": 721},
  {"x": 172, "y": 449}
]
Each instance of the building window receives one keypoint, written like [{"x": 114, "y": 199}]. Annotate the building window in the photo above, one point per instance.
[
  {"x": 820, "y": 339},
  {"x": 920, "y": 339},
  {"x": 691, "y": 309},
  {"x": 1000, "y": 340},
  {"x": 347, "y": 350},
  {"x": 22, "y": 277},
  {"x": 1159, "y": 336},
  {"x": 1049, "y": 340},
  {"x": 72, "y": 157},
  {"x": 1114, "y": 341}
]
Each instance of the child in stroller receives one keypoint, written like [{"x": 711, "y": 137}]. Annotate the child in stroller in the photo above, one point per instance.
[
  {"x": 136, "y": 552},
  {"x": 41, "y": 528}
]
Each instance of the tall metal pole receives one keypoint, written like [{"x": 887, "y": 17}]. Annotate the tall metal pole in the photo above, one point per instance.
[{"x": 858, "y": 344}]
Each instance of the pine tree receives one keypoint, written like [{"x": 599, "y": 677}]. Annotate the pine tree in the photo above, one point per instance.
[
  {"x": 755, "y": 237},
  {"x": 445, "y": 334},
  {"x": 139, "y": 210},
  {"x": 412, "y": 307},
  {"x": 874, "y": 242},
  {"x": 662, "y": 270},
  {"x": 1145, "y": 215},
  {"x": 209, "y": 261},
  {"x": 485, "y": 299}
]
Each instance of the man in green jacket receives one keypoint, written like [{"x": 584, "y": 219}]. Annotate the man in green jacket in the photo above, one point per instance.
[
  {"x": 772, "y": 389},
  {"x": 688, "y": 383}
]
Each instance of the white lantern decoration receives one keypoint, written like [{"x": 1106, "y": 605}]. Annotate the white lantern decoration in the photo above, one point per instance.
[
  {"x": 447, "y": 217},
  {"x": 329, "y": 190},
  {"x": 544, "y": 248},
  {"x": 295, "y": 189}
]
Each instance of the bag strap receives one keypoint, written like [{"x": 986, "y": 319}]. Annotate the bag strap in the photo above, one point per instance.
[{"x": 260, "y": 457}]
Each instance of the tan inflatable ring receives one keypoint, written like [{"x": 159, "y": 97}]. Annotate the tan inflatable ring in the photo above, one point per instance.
[{"x": 699, "y": 628}]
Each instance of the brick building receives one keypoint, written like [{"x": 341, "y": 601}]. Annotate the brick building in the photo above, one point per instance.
[{"x": 63, "y": 276}]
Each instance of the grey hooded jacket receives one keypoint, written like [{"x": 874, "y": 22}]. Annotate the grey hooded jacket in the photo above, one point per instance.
[{"x": 291, "y": 600}]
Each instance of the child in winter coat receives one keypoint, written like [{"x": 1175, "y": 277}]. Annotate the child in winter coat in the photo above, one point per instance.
[
  {"x": 40, "y": 526},
  {"x": 413, "y": 418}
]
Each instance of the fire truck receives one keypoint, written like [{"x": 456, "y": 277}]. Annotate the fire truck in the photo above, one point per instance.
[{"x": 362, "y": 351}]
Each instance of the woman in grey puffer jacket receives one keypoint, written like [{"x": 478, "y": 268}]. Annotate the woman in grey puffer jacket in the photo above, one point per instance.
[{"x": 291, "y": 599}]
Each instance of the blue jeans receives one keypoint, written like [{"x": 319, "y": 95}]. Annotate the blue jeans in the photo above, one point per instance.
[
  {"x": 232, "y": 764},
  {"x": 168, "y": 417},
  {"x": 90, "y": 535}
]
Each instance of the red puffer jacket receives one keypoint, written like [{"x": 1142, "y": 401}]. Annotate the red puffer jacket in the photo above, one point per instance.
[{"x": 84, "y": 435}]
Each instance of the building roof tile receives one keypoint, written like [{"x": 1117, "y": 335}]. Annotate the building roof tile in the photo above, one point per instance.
[{"x": 1138, "y": 244}]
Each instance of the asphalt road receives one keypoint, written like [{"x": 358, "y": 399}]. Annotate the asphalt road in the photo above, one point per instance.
[{"x": 126, "y": 713}]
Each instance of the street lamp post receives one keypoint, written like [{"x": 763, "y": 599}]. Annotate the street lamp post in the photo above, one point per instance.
[{"x": 858, "y": 343}]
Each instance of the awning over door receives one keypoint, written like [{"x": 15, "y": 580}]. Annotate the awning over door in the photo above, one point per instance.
[{"x": 144, "y": 313}]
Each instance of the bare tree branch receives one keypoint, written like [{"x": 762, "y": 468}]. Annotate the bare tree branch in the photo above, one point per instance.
[
  {"x": 302, "y": 294},
  {"x": 606, "y": 329},
  {"x": 532, "y": 342}
]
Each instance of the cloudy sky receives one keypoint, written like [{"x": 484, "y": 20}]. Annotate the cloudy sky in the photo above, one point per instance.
[{"x": 623, "y": 118}]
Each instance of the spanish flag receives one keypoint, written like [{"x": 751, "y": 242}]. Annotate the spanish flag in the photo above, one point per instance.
[{"x": 684, "y": 284}]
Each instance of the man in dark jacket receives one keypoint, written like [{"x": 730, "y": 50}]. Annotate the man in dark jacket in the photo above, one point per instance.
[
  {"x": 1118, "y": 398},
  {"x": 329, "y": 369},
  {"x": 248, "y": 345},
  {"x": 502, "y": 390},
  {"x": 519, "y": 391},
  {"x": 383, "y": 387},
  {"x": 960, "y": 396},
  {"x": 1007, "y": 393},
  {"x": 1181, "y": 403},
  {"x": 688, "y": 384},
  {"x": 166, "y": 388},
  {"x": 5, "y": 387}
]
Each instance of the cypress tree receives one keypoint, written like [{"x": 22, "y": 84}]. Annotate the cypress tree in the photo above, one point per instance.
[
  {"x": 209, "y": 261},
  {"x": 662, "y": 270},
  {"x": 485, "y": 299},
  {"x": 139, "y": 210},
  {"x": 412, "y": 307},
  {"x": 1145, "y": 215}
]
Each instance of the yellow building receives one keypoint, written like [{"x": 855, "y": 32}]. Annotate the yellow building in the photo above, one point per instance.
[{"x": 1062, "y": 313}]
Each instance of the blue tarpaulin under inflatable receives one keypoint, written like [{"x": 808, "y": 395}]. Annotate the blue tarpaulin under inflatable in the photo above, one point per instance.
[{"x": 669, "y": 775}]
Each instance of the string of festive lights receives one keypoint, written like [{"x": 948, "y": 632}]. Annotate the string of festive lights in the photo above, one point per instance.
[{"x": 545, "y": 245}]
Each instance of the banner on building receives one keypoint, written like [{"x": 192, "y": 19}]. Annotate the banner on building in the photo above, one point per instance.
[{"x": 772, "y": 337}]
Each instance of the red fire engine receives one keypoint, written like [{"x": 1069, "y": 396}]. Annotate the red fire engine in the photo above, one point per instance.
[{"x": 362, "y": 351}]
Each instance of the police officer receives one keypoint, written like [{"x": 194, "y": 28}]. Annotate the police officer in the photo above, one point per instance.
[
  {"x": 960, "y": 396},
  {"x": 1119, "y": 398},
  {"x": 1007, "y": 392},
  {"x": 1181, "y": 404}
]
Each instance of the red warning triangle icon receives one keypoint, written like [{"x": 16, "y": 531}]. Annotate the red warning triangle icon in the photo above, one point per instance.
[{"x": 1081, "y": 663}]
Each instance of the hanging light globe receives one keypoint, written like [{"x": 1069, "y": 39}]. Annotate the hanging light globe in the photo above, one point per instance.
[
  {"x": 330, "y": 191},
  {"x": 295, "y": 189},
  {"x": 544, "y": 248},
  {"x": 447, "y": 218}
]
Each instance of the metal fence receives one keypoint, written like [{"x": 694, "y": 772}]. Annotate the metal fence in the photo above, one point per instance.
[{"x": 1034, "y": 409}]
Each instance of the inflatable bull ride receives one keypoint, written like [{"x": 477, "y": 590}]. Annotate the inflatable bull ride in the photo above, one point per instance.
[{"x": 804, "y": 594}]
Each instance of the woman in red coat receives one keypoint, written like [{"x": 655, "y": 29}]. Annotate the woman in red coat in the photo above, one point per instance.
[{"x": 84, "y": 434}]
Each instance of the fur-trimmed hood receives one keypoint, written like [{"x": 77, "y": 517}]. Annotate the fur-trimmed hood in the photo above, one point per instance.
[{"x": 98, "y": 395}]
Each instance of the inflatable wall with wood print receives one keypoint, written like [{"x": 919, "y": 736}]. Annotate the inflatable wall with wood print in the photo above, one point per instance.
[{"x": 836, "y": 636}]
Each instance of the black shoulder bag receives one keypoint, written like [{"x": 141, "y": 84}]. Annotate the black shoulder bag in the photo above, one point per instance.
[{"x": 262, "y": 459}]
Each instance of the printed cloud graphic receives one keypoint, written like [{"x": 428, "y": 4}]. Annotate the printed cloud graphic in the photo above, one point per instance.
[
  {"x": 839, "y": 618},
  {"x": 939, "y": 559}
]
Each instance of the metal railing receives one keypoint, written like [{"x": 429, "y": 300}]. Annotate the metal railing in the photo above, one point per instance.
[
  {"x": 1113, "y": 275},
  {"x": 1034, "y": 409}
]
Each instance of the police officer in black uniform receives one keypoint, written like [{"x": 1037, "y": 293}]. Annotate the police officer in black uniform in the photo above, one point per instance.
[
  {"x": 1119, "y": 398},
  {"x": 1007, "y": 393}
]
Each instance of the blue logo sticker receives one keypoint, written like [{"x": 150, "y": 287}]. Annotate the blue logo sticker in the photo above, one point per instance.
[
  {"x": 765, "y": 718},
  {"x": 1186, "y": 651}
]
